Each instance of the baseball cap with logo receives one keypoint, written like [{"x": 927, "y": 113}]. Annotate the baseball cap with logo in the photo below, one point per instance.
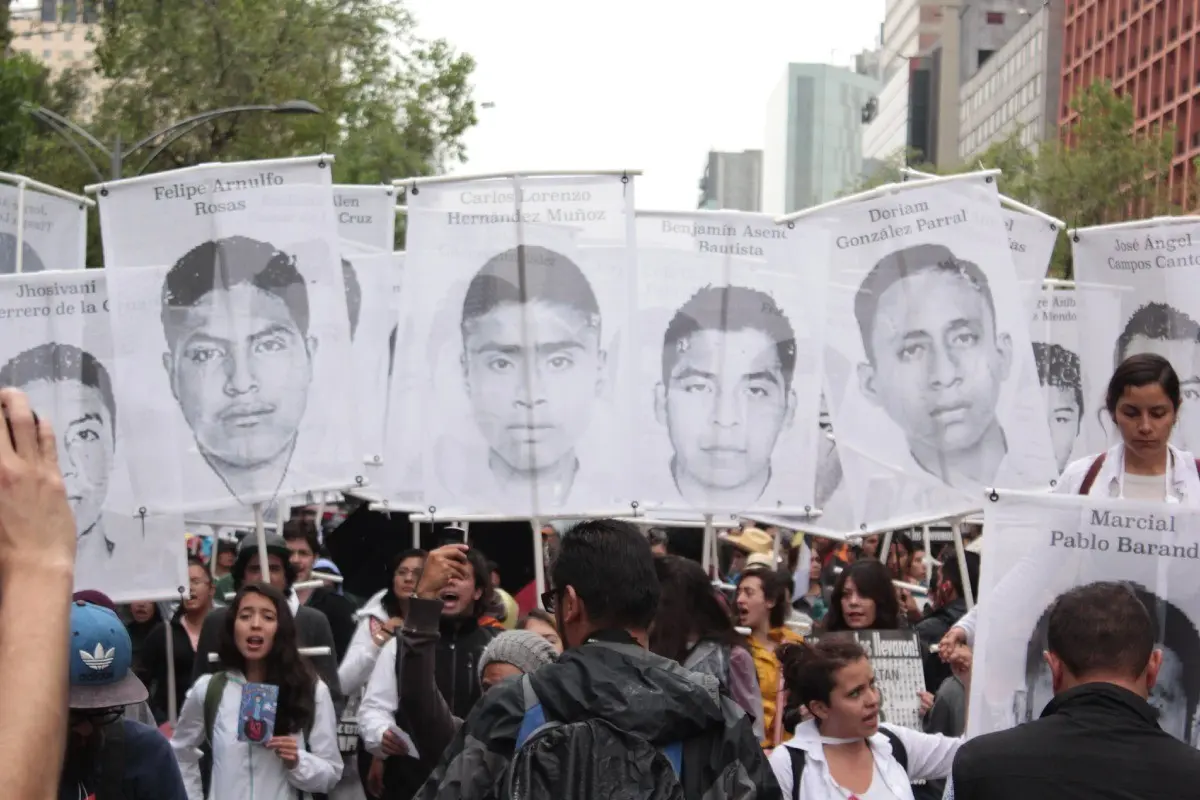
[{"x": 101, "y": 657}]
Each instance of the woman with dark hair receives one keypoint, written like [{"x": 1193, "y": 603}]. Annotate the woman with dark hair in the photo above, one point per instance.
[
  {"x": 863, "y": 599},
  {"x": 692, "y": 627},
  {"x": 184, "y": 626},
  {"x": 1143, "y": 401},
  {"x": 762, "y": 607},
  {"x": 301, "y": 758},
  {"x": 843, "y": 750}
]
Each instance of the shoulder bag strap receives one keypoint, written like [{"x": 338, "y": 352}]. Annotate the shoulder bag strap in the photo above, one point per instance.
[
  {"x": 899, "y": 751},
  {"x": 212, "y": 702},
  {"x": 1094, "y": 470},
  {"x": 798, "y": 760}
]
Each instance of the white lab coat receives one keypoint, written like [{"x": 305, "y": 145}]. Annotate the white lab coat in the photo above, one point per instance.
[
  {"x": 356, "y": 666},
  {"x": 245, "y": 771},
  {"x": 930, "y": 757}
]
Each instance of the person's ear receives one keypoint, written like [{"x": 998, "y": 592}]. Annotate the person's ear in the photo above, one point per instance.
[
  {"x": 478, "y": 594},
  {"x": 166, "y": 361},
  {"x": 601, "y": 371},
  {"x": 572, "y": 607},
  {"x": 1152, "y": 668},
  {"x": 866, "y": 383},
  {"x": 1005, "y": 349},
  {"x": 311, "y": 344},
  {"x": 660, "y": 403},
  {"x": 789, "y": 414},
  {"x": 462, "y": 363},
  {"x": 819, "y": 710},
  {"x": 1058, "y": 670}
]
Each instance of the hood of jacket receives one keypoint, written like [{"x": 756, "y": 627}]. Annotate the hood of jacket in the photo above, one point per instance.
[
  {"x": 373, "y": 607},
  {"x": 632, "y": 689}
]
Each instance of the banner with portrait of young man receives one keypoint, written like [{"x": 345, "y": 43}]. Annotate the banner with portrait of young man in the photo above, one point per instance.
[
  {"x": 728, "y": 362},
  {"x": 1031, "y": 239},
  {"x": 231, "y": 333},
  {"x": 56, "y": 346},
  {"x": 929, "y": 368},
  {"x": 366, "y": 216},
  {"x": 1041, "y": 545},
  {"x": 53, "y": 231},
  {"x": 517, "y": 294},
  {"x": 1155, "y": 265}
]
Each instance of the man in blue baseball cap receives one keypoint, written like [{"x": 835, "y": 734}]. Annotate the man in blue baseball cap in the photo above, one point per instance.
[{"x": 109, "y": 756}]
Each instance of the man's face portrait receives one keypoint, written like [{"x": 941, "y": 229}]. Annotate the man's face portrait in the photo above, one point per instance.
[
  {"x": 1063, "y": 410},
  {"x": 725, "y": 404},
  {"x": 532, "y": 400},
  {"x": 938, "y": 361},
  {"x": 241, "y": 370},
  {"x": 85, "y": 443},
  {"x": 1184, "y": 356}
]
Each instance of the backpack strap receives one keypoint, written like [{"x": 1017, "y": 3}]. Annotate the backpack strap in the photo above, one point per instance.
[
  {"x": 799, "y": 758},
  {"x": 112, "y": 763},
  {"x": 212, "y": 702},
  {"x": 1090, "y": 477},
  {"x": 899, "y": 751}
]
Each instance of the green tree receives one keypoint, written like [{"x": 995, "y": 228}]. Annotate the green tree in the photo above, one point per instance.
[{"x": 22, "y": 80}]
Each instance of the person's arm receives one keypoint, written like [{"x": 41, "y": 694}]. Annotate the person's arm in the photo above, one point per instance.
[
  {"x": 377, "y": 713},
  {"x": 189, "y": 737},
  {"x": 355, "y": 669},
  {"x": 930, "y": 755},
  {"x": 434, "y": 725},
  {"x": 37, "y": 560},
  {"x": 743, "y": 687},
  {"x": 319, "y": 766}
]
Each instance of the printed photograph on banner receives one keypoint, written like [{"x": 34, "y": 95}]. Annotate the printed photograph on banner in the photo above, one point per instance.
[
  {"x": 1031, "y": 240},
  {"x": 931, "y": 377},
  {"x": 56, "y": 346},
  {"x": 1157, "y": 269},
  {"x": 728, "y": 387},
  {"x": 232, "y": 333},
  {"x": 517, "y": 294},
  {"x": 366, "y": 216},
  {"x": 54, "y": 234},
  {"x": 1038, "y": 547}
]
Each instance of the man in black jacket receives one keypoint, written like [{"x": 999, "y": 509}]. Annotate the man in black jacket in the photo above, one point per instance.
[
  {"x": 1099, "y": 737},
  {"x": 605, "y": 596},
  {"x": 302, "y": 540},
  {"x": 950, "y": 604}
]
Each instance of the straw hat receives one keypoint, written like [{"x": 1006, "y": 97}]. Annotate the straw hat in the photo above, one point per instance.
[
  {"x": 750, "y": 540},
  {"x": 761, "y": 560}
]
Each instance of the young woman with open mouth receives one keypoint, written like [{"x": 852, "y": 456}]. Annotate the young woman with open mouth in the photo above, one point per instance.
[{"x": 258, "y": 645}]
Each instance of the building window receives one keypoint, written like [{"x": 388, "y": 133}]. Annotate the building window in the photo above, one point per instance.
[
  {"x": 995, "y": 18},
  {"x": 45, "y": 55}
]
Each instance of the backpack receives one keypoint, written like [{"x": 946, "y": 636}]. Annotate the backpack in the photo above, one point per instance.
[
  {"x": 1090, "y": 477},
  {"x": 212, "y": 702},
  {"x": 587, "y": 759},
  {"x": 899, "y": 752}
]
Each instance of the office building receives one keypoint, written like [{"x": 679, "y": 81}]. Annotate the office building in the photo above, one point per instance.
[
  {"x": 813, "y": 141},
  {"x": 1151, "y": 53},
  {"x": 55, "y": 32},
  {"x": 732, "y": 180},
  {"x": 1016, "y": 89}
]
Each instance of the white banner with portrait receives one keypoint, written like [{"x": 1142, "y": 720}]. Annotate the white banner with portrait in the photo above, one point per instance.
[
  {"x": 931, "y": 378},
  {"x": 53, "y": 233},
  {"x": 728, "y": 362},
  {"x": 517, "y": 294},
  {"x": 1155, "y": 266},
  {"x": 366, "y": 216},
  {"x": 56, "y": 346},
  {"x": 1039, "y": 546},
  {"x": 1031, "y": 239},
  {"x": 231, "y": 333}
]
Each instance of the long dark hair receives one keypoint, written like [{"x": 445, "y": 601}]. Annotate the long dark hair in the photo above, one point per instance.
[
  {"x": 688, "y": 610},
  {"x": 286, "y": 669},
  {"x": 872, "y": 580}
]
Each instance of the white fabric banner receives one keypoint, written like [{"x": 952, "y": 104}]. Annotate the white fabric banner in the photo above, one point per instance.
[
  {"x": 56, "y": 346},
  {"x": 728, "y": 364},
  {"x": 55, "y": 231},
  {"x": 1039, "y": 546},
  {"x": 366, "y": 215},
  {"x": 930, "y": 372},
  {"x": 1157, "y": 266},
  {"x": 1031, "y": 240},
  {"x": 518, "y": 295},
  {"x": 231, "y": 333}
]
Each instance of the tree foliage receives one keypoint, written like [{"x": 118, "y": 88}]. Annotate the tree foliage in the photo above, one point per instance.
[{"x": 1100, "y": 170}]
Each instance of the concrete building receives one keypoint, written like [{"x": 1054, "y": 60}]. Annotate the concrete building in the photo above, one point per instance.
[
  {"x": 55, "y": 32},
  {"x": 1016, "y": 89},
  {"x": 732, "y": 180},
  {"x": 1151, "y": 53},
  {"x": 813, "y": 142}
]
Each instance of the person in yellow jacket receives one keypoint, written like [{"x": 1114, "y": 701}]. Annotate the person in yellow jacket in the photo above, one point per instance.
[{"x": 762, "y": 607}]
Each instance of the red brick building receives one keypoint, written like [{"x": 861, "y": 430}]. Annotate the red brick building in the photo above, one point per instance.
[{"x": 1150, "y": 50}]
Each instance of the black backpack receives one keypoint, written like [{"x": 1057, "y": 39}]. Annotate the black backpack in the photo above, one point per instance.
[
  {"x": 586, "y": 760},
  {"x": 899, "y": 752}
]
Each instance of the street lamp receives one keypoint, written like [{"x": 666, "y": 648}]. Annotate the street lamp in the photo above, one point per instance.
[{"x": 117, "y": 154}]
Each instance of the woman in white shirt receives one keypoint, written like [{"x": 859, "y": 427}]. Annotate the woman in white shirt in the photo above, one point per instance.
[
  {"x": 1143, "y": 401},
  {"x": 844, "y": 751},
  {"x": 258, "y": 645}
]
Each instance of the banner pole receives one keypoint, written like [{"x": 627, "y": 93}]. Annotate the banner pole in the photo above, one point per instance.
[
  {"x": 466, "y": 529},
  {"x": 706, "y": 552},
  {"x": 20, "y": 255},
  {"x": 885, "y": 548},
  {"x": 416, "y": 535},
  {"x": 961, "y": 553},
  {"x": 539, "y": 565},
  {"x": 212, "y": 559},
  {"x": 928, "y": 556},
  {"x": 169, "y": 632},
  {"x": 260, "y": 534}
]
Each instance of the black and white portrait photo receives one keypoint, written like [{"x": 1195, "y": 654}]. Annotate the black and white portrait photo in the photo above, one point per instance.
[
  {"x": 727, "y": 348},
  {"x": 937, "y": 394},
  {"x": 233, "y": 333},
  {"x": 366, "y": 216},
  {"x": 30, "y": 260},
  {"x": 53, "y": 230},
  {"x": 1172, "y": 333},
  {"x": 515, "y": 337},
  {"x": 1062, "y": 383}
]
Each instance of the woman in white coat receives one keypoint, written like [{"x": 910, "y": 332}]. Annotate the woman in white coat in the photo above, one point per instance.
[
  {"x": 258, "y": 645},
  {"x": 844, "y": 751},
  {"x": 1143, "y": 401}
]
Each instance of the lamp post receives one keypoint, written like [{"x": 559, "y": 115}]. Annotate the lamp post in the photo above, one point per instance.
[{"x": 117, "y": 154}]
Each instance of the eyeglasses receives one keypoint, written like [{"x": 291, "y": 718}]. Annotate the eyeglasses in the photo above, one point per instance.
[
  {"x": 408, "y": 573},
  {"x": 99, "y": 717}
]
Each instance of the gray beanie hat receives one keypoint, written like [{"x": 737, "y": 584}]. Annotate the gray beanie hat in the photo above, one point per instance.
[{"x": 525, "y": 650}]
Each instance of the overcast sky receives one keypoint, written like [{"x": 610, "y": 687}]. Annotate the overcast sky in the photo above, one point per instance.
[{"x": 635, "y": 84}]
